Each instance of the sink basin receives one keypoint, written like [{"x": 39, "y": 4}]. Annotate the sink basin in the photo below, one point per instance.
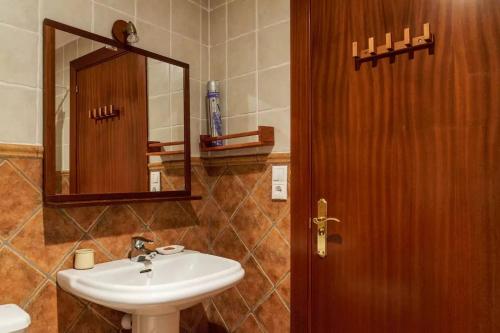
[{"x": 154, "y": 298}]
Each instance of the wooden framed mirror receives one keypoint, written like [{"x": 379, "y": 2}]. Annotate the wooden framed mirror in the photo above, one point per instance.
[{"x": 115, "y": 116}]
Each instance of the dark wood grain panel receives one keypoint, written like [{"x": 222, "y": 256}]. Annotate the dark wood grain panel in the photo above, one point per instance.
[
  {"x": 407, "y": 155},
  {"x": 300, "y": 165}
]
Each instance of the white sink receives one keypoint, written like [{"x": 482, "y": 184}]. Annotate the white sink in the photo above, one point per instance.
[{"x": 154, "y": 299}]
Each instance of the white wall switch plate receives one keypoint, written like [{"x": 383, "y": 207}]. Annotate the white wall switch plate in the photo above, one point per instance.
[
  {"x": 279, "y": 190},
  {"x": 155, "y": 181}
]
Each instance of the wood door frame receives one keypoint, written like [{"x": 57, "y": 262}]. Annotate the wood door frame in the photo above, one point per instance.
[
  {"x": 91, "y": 59},
  {"x": 301, "y": 158}
]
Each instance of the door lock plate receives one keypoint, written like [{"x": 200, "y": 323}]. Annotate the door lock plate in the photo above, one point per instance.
[{"x": 321, "y": 222}]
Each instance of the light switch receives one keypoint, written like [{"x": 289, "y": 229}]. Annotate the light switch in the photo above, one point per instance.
[
  {"x": 279, "y": 190},
  {"x": 155, "y": 181}
]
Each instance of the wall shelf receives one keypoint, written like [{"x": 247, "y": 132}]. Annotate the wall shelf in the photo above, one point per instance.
[
  {"x": 265, "y": 138},
  {"x": 155, "y": 148}
]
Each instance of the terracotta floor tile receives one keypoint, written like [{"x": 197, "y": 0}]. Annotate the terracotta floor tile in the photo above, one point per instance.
[
  {"x": 31, "y": 168},
  {"x": 210, "y": 175},
  {"x": 19, "y": 199},
  {"x": 249, "y": 174},
  {"x": 18, "y": 279},
  {"x": 145, "y": 210},
  {"x": 274, "y": 209},
  {"x": 228, "y": 193},
  {"x": 284, "y": 226},
  {"x": 115, "y": 228},
  {"x": 250, "y": 224},
  {"x": 85, "y": 216},
  {"x": 273, "y": 315},
  {"x": 169, "y": 222},
  {"x": 254, "y": 285},
  {"x": 231, "y": 307},
  {"x": 195, "y": 239},
  {"x": 250, "y": 325},
  {"x": 47, "y": 238},
  {"x": 284, "y": 289},
  {"x": 212, "y": 220},
  {"x": 273, "y": 254},
  {"x": 89, "y": 322},
  {"x": 229, "y": 246},
  {"x": 53, "y": 310}
]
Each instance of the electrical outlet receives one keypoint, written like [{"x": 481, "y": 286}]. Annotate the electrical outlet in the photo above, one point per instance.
[{"x": 279, "y": 190}]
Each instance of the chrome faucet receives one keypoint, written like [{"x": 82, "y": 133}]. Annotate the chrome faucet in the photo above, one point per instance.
[{"x": 139, "y": 252}]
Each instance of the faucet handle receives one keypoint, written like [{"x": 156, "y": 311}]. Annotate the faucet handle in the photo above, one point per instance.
[{"x": 138, "y": 242}]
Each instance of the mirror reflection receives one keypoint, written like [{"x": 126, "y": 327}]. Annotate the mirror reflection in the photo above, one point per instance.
[{"x": 119, "y": 120}]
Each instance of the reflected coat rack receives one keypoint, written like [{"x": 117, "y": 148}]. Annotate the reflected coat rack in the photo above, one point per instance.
[{"x": 391, "y": 49}]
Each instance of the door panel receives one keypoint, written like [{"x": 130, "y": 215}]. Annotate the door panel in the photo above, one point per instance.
[
  {"x": 110, "y": 150},
  {"x": 407, "y": 155}
]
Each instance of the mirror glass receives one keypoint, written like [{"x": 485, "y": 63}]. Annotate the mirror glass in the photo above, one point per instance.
[{"x": 119, "y": 119}]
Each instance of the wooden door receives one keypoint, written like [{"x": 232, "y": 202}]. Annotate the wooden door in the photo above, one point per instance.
[
  {"x": 407, "y": 154},
  {"x": 109, "y": 155}
]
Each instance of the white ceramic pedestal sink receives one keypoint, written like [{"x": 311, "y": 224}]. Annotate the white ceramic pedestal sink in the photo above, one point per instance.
[{"x": 154, "y": 299}]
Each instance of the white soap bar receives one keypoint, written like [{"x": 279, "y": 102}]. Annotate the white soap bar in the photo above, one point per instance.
[{"x": 170, "y": 249}]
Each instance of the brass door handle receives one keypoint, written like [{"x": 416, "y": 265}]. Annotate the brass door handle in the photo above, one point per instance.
[{"x": 322, "y": 222}]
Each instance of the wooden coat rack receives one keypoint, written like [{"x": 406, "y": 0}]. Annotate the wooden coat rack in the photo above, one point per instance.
[
  {"x": 391, "y": 48},
  {"x": 104, "y": 112}
]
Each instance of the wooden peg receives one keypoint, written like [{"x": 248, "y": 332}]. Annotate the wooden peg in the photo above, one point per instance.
[
  {"x": 105, "y": 110},
  {"x": 90, "y": 114},
  {"x": 427, "y": 32},
  {"x": 95, "y": 113},
  {"x": 389, "y": 45},
  {"x": 111, "y": 112},
  {"x": 355, "y": 53},
  {"x": 407, "y": 37},
  {"x": 371, "y": 46},
  {"x": 100, "y": 112}
]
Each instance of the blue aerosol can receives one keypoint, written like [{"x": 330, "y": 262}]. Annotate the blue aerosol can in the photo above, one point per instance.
[{"x": 214, "y": 115}]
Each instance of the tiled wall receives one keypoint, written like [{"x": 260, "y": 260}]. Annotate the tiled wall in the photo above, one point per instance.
[
  {"x": 169, "y": 27},
  {"x": 250, "y": 55},
  {"x": 243, "y": 43},
  {"x": 236, "y": 219}
]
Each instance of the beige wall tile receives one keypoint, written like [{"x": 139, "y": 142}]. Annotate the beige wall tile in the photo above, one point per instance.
[
  {"x": 20, "y": 13},
  {"x": 241, "y": 55},
  {"x": 243, "y": 123},
  {"x": 274, "y": 88},
  {"x": 127, "y": 6},
  {"x": 18, "y": 56},
  {"x": 186, "y": 19},
  {"x": 154, "y": 11},
  {"x": 195, "y": 136},
  {"x": 160, "y": 134},
  {"x": 205, "y": 60},
  {"x": 104, "y": 18},
  {"x": 218, "y": 62},
  {"x": 177, "y": 109},
  {"x": 204, "y": 27},
  {"x": 280, "y": 120},
  {"x": 194, "y": 98},
  {"x": 241, "y": 95},
  {"x": 159, "y": 112},
  {"x": 216, "y": 3},
  {"x": 18, "y": 116},
  {"x": 153, "y": 38},
  {"x": 272, "y": 11},
  {"x": 188, "y": 51},
  {"x": 274, "y": 45},
  {"x": 77, "y": 13},
  {"x": 158, "y": 78},
  {"x": 218, "y": 25},
  {"x": 240, "y": 17}
]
